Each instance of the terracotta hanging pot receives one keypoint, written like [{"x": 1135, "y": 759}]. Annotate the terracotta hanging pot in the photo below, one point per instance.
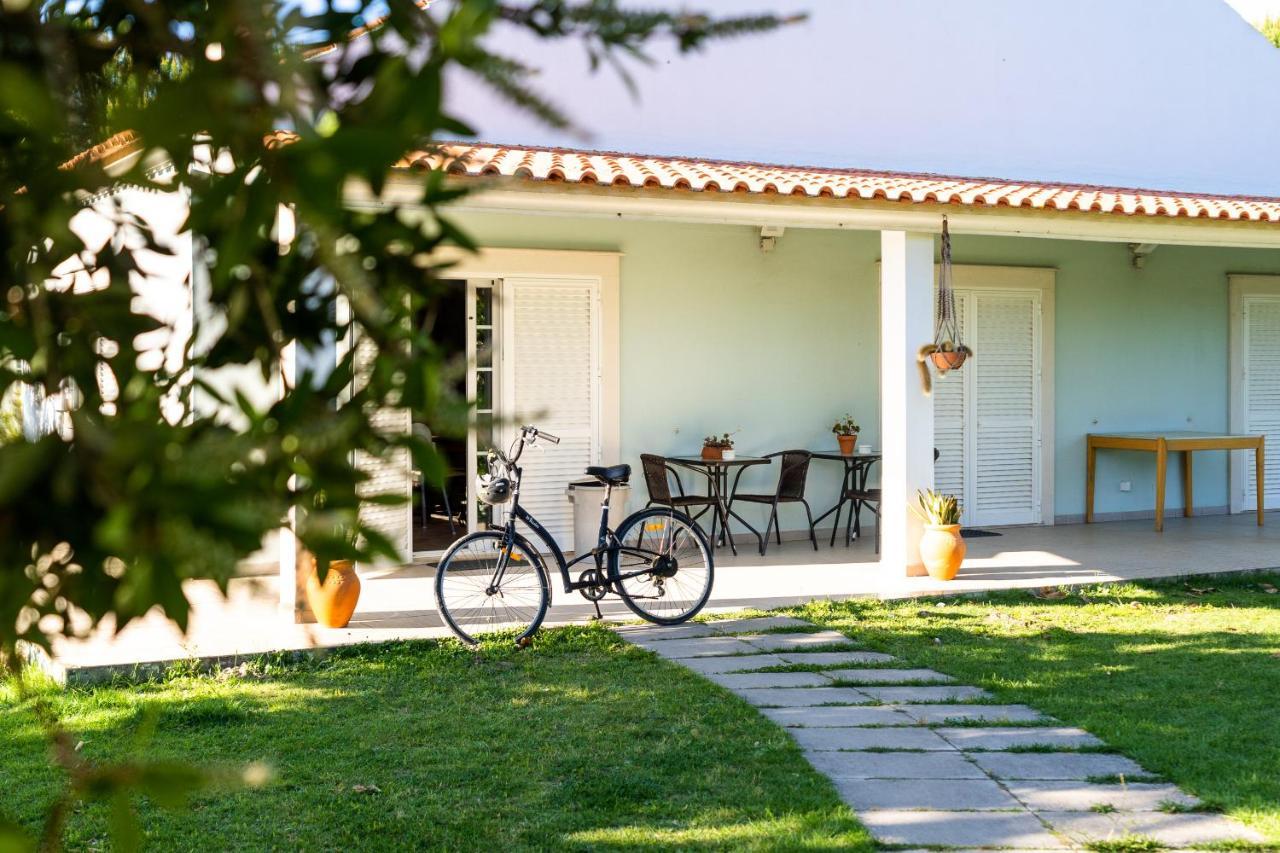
[
  {"x": 942, "y": 550},
  {"x": 949, "y": 360},
  {"x": 848, "y": 443},
  {"x": 334, "y": 600}
]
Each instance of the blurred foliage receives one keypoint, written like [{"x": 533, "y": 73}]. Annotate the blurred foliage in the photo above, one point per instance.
[
  {"x": 1270, "y": 27},
  {"x": 164, "y": 475}
]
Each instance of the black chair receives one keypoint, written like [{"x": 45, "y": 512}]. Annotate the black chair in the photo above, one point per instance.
[
  {"x": 869, "y": 498},
  {"x": 790, "y": 489},
  {"x": 656, "y": 470}
]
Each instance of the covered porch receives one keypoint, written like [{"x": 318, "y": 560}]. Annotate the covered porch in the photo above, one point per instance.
[{"x": 399, "y": 603}]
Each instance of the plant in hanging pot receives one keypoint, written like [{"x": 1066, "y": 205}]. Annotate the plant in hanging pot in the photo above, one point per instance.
[
  {"x": 717, "y": 446},
  {"x": 846, "y": 430},
  {"x": 947, "y": 352},
  {"x": 942, "y": 548},
  {"x": 333, "y": 598}
]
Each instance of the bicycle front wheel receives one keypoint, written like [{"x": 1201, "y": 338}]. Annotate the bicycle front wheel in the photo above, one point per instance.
[
  {"x": 487, "y": 584},
  {"x": 664, "y": 568}
]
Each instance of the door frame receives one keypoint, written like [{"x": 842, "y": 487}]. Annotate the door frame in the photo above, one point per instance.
[
  {"x": 1240, "y": 286},
  {"x": 603, "y": 268},
  {"x": 1042, "y": 280}
]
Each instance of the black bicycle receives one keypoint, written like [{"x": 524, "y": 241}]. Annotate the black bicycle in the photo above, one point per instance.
[{"x": 658, "y": 561}]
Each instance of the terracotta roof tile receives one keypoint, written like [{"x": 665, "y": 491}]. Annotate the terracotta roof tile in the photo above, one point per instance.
[{"x": 647, "y": 172}]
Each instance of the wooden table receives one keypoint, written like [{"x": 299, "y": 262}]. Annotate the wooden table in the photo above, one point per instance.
[{"x": 1162, "y": 444}]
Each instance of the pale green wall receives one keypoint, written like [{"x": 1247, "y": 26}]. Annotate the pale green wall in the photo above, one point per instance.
[{"x": 717, "y": 335}]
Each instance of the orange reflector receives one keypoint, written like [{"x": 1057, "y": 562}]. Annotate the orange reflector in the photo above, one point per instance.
[
  {"x": 516, "y": 555},
  {"x": 659, "y": 526}
]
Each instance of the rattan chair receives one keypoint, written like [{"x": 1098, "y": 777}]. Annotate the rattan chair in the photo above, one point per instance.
[
  {"x": 790, "y": 489},
  {"x": 656, "y": 471},
  {"x": 869, "y": 498}
]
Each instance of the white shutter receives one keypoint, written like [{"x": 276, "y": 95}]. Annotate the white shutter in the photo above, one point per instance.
[
  {"x": 949, "y": 424},
  {"x": 551, "y": 372},
  {"x": 1262, "y": 390},
  {"x": 986, "y": 415},
  {"x": 1006, "y": 407},
  {"x": 390, "y": 475}
]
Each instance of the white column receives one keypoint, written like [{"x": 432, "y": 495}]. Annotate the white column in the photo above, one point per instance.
[{"x": 906, "y": 412}]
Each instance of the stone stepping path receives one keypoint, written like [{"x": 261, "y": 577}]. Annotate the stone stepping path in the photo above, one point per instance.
[{"x": 925, "y": 762}]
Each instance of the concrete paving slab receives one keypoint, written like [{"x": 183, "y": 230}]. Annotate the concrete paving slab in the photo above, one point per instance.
[
  {"x": 946, "y": 794},
  {"x": 1055, "y": 765},
  {"x": 636, "y": 633},
  {"x": 1175, "y": 830},
  {"x": 744, "y": 680},
  {"x": 945, "y": 693},
  {"x": 850, "y": 737},
  {"x": 757, "y": 623},
  {"x": 1019, "y": 830},
  {"x": 886, "y": 676},
  {"x": 976, "y": 713},
  {"x": 801, "y": 697},
  {"x": 1007, "y": 737},
  {"x": 741, "y": 663},
  {"x": 838, "y": 715},
  {"x": 835, "y": 658},
  {"x": 894, "y": 765},
  {"x": 697, "y": 647},
  {"x": 1077, "y": 796},
  {"x": 794, "y": 642}
]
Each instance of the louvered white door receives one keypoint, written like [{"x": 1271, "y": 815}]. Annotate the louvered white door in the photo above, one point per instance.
[
  {"x": 1261, "y": 327},
  {"x": 987, "y": 416},
  {"x": 551, "y": 379}
]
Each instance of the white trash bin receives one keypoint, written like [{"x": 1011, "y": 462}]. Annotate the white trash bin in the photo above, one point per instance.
[{"x": 586, "y": 497}]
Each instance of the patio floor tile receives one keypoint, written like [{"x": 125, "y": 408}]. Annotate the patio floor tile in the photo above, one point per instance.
[
  {"x": 793, "y": 642},
  {"x": 886, "y": 676},
  {"x": 744, "y": 680},
  {"x": 846, "y": 715},
  {"x": 695, "y": 647},
  {"x": 895, "y": 765},
  {"x": 835, "y": 658},
  {"x": 972, "y": 737},
  {"x": 1169, "y": 829},
  {"x": 757, "y": 623},
  {"x": 1020, "y": 830},
  {"x": 852, "y": 737},
  {"x": 977, "y": 713},
  {"x": 1082, "y": 796},
  {"x": 945, "y": 794},
  {"x": 1055, "y": 765},
  {"x": 803, "y": 697},
  {"x": 741, "y": 663},
  {"x": 946, "y": 693}
]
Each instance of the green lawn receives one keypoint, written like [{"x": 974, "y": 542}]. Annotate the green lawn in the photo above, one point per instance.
[
  {"x": 578, "y": 742},
  {"x": 1182, "y": 677}
]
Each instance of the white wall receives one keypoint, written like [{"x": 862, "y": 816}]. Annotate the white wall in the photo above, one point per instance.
[{"x": 1168, "y": 95}]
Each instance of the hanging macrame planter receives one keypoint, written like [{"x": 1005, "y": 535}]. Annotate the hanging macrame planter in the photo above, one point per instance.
[{"x": 947, "y": 352}]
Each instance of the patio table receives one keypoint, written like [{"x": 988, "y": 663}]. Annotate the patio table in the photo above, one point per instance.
[
  {"x": 857, "y": 468},
  {"x": 1162, "y": 444},
  {"x": 717, "y": 473}
]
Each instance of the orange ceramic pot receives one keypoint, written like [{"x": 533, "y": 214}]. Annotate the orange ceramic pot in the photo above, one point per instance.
[
  {"x": 942, "y": 550},
  {"x": 848, "y": 443},
  {"x": 334, "y": 600}
]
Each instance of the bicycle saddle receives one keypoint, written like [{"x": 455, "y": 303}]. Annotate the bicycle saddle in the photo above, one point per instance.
[{"x": 614, "y": 475}]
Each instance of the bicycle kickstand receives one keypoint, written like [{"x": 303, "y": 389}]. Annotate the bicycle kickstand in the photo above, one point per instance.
[{"x": 598, "y": 615}]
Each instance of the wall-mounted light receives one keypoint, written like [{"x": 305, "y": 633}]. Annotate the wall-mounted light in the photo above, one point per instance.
[
  {"x": 1138, "y": 253},
  {"x": 769, "y": 235}
]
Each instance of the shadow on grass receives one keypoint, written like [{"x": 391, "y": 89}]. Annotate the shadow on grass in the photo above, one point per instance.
[{"x": 579, "y": 742}]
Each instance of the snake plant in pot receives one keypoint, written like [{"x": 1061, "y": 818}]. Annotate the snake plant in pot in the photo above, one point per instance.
[{"x": 941, "y": 547}]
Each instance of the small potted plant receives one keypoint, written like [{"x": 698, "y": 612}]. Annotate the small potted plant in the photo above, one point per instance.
[
  {"x": 717, "y": 447},
  {"x": 846, "y": 430},
  {"x": 941, "y": 547}
]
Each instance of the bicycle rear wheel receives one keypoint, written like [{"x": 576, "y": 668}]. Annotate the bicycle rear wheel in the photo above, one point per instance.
[
  {"x": 486, "y": 585},
  {"x": 665, "y": 570}
]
